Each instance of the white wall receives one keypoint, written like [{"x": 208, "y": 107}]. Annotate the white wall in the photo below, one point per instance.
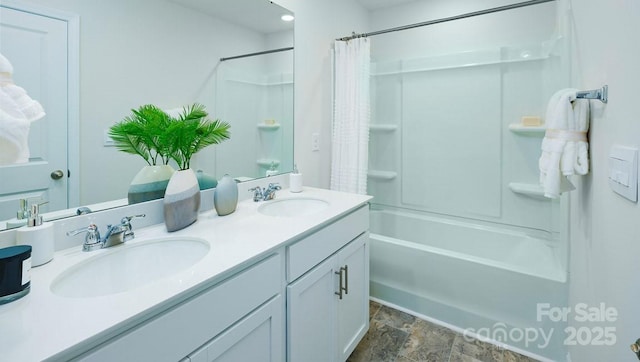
[
  {"x": 318, "y": 24},
  {"x": 605, "y": 245}
]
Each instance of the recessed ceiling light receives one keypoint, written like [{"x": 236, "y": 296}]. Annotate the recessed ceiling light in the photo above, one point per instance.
[{"x": 287, "y": 17}]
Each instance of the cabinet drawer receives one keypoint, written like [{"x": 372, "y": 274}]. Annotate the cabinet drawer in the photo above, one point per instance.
[
  {"x": 308, "y": 252},
  {"x": 176, "y": 333}
]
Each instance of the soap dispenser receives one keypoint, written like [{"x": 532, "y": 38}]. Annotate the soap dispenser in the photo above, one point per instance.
[{"x": 38, "y": 235}]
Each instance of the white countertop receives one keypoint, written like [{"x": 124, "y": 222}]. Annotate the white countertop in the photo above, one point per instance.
[{"x": 43, "y": 325}]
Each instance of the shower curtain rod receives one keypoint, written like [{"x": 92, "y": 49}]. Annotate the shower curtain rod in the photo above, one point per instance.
[
  {"x": 257, "y": 53},
  {"x": 443, "y": 20}
]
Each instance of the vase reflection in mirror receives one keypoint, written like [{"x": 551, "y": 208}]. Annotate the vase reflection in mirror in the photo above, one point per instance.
[
  {"x": 150, "y": 183},
  {"x": 205, "y": 180}
]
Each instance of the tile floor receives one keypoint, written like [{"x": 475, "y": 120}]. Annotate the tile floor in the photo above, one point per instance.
[{"x": 395, "y": 336}]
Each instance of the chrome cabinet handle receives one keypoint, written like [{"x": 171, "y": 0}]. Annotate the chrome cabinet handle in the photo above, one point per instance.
[
  {"x": 340, "y": 288},
  {"x": 343, "y": 287},
  {"x": 346, "y": 279},
  {"x": 57, "y": 174}
]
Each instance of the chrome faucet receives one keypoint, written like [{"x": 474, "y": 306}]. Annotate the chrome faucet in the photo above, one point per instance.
[
  {"x": 268, "y": 193},
  {"x": 257, "y": 193},
  {"x": 116, "y": 234}
]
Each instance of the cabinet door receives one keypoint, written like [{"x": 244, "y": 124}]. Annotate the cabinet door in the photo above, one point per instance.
[
  {"x": 257, "y": 337},
  {"x": 311, "y": 311},
  {"x": 353, "y": 308}
]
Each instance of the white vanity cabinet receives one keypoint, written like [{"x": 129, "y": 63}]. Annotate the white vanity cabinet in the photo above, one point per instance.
[
  {"x": 239, "y": 319},
  {"x": 276, "y": 288},
  {"x": 328, "y": 291}
]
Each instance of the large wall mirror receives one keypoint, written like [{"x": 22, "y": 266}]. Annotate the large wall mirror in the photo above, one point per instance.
[{"x": 234, "y": 57}]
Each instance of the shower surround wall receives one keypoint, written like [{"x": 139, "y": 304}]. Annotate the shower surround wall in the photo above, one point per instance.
[
  {"x": 264, "y": 85},
  {"x": 445, "y": 164}
]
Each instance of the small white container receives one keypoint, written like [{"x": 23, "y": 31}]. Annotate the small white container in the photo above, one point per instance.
[
  {"x": 295, "y": 180},
  {"x": 37, "y": 235}
]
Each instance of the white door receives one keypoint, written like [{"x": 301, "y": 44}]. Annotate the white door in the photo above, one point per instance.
[{"x": 37, "y": 47}]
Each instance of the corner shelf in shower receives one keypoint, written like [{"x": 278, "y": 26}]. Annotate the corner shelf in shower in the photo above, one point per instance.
[
  {"x": 268, "y": 127},
  {"x": 382, "y": 175},
  {"x": 534, "y": 191},
  {"x": 383, "y": 127},
  {"x": 536, "y": 131}
]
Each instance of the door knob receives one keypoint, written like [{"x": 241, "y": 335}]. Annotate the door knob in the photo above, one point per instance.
[
  {"x": 636, "y": 348},
  {"x": 57, "y": 174}
]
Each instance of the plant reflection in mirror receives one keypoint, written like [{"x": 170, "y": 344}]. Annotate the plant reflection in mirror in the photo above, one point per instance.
[
  {"x": 142, "y": 133},
  {"x": 191, "y": 132},
  {"x": 157, "y": 137}
]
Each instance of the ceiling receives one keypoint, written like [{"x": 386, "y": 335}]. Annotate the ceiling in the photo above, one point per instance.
[
  {"x": 379, "y": 4},
  {"x": 263, "y": 15},
  {"x": 260, "y": 15}
]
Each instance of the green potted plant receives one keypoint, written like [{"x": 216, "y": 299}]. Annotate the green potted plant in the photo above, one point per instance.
[
  {"x": 142, "y": 133},
  {"x": 184, "y": 136}
]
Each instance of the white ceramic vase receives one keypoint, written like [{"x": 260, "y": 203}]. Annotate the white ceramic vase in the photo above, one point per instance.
[
  {"x": 225, "y": 196},
  {"x": 150, "y": 183},
  {"x": 181, "y": 200}
]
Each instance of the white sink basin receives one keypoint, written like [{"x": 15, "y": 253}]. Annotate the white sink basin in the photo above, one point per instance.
[
  {"x": 129, "y": 266},
  {"x": 293, "y": 207}
]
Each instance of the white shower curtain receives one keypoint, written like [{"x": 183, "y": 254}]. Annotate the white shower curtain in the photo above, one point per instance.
[{"x": 351, "y": 115}]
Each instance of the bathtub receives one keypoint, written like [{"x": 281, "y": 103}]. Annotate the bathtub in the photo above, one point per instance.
[{"x": 470, "y": 276}]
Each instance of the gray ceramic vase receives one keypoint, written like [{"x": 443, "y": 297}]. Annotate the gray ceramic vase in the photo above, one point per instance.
[
  {"x": 225, "y": 196},
  {"x": 181, "y": 200}
]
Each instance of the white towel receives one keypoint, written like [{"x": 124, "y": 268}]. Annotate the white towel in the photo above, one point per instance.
[
  {"x": 14, "y": 132},
  {"x": 5, "y": 65},
  {"x": 565, "y": 146},
  {"x": 17, "y": 111},
  {"x": 31, "y": 109}
]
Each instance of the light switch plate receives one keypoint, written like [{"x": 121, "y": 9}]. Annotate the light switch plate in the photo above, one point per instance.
[{"x": 623, "y": 171}]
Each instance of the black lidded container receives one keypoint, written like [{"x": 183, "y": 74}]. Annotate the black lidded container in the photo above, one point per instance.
[{"x": 15, "y": 272}]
